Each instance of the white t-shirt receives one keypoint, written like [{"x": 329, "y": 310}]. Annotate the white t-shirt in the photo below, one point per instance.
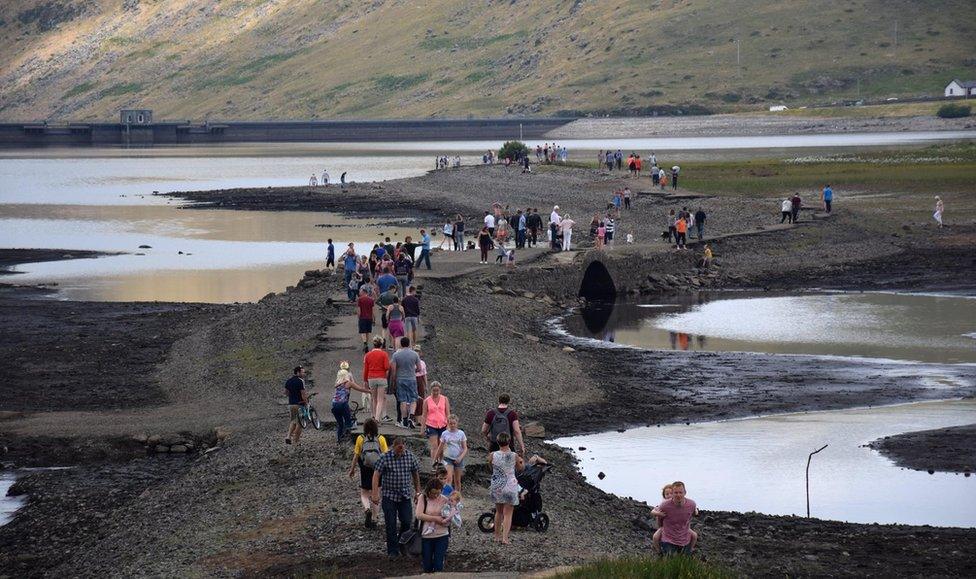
[
  {"x": 453, "y": 442},
  {"x": 490, "y": 221},
  {"x": 554, "y": 218},
  {"x": 787, "y": 205}
]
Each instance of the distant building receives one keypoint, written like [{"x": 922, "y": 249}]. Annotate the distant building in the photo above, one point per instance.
[
  {"x": 961, "y": 88},
  {"x": 136, "y": 117}
]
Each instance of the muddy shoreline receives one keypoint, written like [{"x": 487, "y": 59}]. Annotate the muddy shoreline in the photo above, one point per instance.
[
  {"x": 941, "y": 449},
  {"x": 229, "y": 362}
]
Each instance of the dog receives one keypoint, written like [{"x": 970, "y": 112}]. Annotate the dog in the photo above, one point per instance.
[{"x": 666, "y": 236}]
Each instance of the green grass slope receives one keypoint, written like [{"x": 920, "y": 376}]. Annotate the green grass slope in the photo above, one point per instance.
[{"x": 287, "y": 59}]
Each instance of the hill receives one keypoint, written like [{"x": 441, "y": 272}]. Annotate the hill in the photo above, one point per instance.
[{"x": 280, "y": 59}]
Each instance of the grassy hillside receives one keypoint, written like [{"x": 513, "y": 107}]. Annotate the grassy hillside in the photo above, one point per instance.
[{"x": 261, "y": 59}]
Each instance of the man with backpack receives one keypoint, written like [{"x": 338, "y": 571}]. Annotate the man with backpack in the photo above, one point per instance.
[
  {"x": 499, "y": 420},
  {"x": 370, "y": 446}
]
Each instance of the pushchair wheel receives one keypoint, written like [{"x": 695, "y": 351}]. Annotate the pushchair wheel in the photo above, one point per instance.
[
  {"x": 540, "y": 524},
  {"x": 486, "y": 522}
]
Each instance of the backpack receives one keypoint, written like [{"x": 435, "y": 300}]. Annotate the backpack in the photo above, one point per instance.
[
  {"x": 499, "y": 424},
  {"x": 370, "y": 453}
]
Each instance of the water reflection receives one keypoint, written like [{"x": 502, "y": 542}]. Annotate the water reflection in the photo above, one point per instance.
[
  {"x": 757, "y": 464},
  {"x": 911, "y": 327}
]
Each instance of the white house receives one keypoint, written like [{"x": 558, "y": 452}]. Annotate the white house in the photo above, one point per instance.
[{"x": 960, "y": 88}]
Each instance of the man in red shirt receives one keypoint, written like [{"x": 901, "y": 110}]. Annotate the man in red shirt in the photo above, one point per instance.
[
  {"x": 365, "y": 304},
  {"x": 376, "y": 370},
  {"x": 675, "y": 514},
  {"x": 502, "y": 419}
]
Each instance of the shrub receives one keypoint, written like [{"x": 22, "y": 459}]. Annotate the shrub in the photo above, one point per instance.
[
  {"x": 954, "y": 111},
  {"x": 648, "y": 568},
  {"x": 513, "y": 150}
]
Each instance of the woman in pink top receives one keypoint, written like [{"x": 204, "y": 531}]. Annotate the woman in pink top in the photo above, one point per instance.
[{"x": 436, "y": 410}]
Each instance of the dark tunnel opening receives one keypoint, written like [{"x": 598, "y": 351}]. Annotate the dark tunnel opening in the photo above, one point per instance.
[{"x": 597, "y": 284}]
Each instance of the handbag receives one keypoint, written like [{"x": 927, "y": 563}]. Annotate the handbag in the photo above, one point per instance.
[{"x": 410, "y": 540}]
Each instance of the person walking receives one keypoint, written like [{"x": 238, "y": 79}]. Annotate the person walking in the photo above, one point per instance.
[
  {"x": 369, "y": 447},
  {"x": 376, "y": 373},
  {"x": 484, "y": 243},
  {"x": 411, "y": 311},
  {"x": 502, "y": 419},
  {"x": 681, "y": 231},
  {"x": 330, "y": 256},
  {"x": 435, "y": 536},
  {"x": 827, "y": 197},
  {"x": 295, "y": 389},
  {"x": 340, "y": 400},
  {"x": 367, "y": 314},
  {"x": 566, "y": 228},
  {"x": 424, "y": 249},
  {"x": 786, "y": 210},
  {"x": 520, "y": 229},
  {"x": 403, "y": 367},
  {"x": 503, "y": 489},
  {"x": 349, "y": 265},
  {"x": 796, "y": 203},
  {"x": 674, "y": 177},
  {"x": 452, "y": 449},
  {"x": 700, "y": 222},
  {"x": 939, "y": 208},
  {"x": 436, "y": 409},
  {"x": 395, "y": 473},
  {"x": 675, "y": 514}
]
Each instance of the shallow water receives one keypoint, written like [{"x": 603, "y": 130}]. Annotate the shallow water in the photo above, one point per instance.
[
  {"x": 893, "y": 326},
  {"x": 227, "y": 256},
  {"x": 8, "y": 505},
  {"x": 758, "y": 464}
]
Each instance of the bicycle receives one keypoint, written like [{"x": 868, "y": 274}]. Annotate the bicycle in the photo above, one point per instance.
[{"x": 308, "y": 415}]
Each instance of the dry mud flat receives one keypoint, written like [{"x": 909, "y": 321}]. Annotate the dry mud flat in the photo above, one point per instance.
[
  {"x": 942, "y": 449},
  {"x": 253, "y": 507}
]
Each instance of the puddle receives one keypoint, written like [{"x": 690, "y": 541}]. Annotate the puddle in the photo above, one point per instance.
[
  {"x": 8, "y": 504},
  {"x": 889, "y": 326},
  {"x": 758, "y": 464}
]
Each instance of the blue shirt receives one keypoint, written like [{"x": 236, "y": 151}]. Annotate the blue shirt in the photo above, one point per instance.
[
  {"x": 386, "y": 281},
  {"x": 380, "y": 252},
  {"x": 349, "y": 262},
  {"x": 425, "y": 241},
  {"x": 294, "y": 386},
  {"x": 828, "y": 194},
  {"x": 331, "y": 251},
  {"x": 521, "y": 223}
]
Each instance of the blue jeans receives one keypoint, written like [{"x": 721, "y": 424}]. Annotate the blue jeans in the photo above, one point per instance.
[
  {"x": 701, "y": 229},
  {"x": 392, "y": 509},
  {"x": 458, "y": 240},
  {"x": 350, "y": 293},
  {"x": 343, "y": 416},
  {"x": 432, "y": 553},
  {"x": 424, "y": 258}
]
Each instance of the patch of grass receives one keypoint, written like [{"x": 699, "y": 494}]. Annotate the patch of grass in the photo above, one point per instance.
[
  {"x": 466, "y": 42},
  {"x": 121, "y": 41},
  {"x": 937, "y": 168},
  {"x": 394, "y": 82},
  {"x": 243, "y": 74},
  {"x": 649, "y": 568},
  {"x": 149, "y": 51},
  {"x": 79, "y": 89},
  {"x": 478, "y": 75},
  {"x": 121, "y": 89}
]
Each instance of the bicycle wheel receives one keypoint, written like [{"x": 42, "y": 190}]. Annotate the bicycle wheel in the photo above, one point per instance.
[
  {"x": 353, "y": 408},
  {"x": 313, "y": 416},
  {"x": 541, "y": 523},
  {"x": 486, "y": 522},
  {"x": 303, "y": 418}
]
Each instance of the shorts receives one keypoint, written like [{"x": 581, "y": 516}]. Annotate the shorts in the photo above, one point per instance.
[
  {"x": 411, "y": 323},
  {"x": 365, "y": 326},
  {"x": 406, "y": 390},
  {"x": 377, "y": 383},
  {"x": 396, "y": 328},
  {"x": 383, "y": 320},
  {"x": 431, "y": 431},
  {"x": 293, "y": 412},
  {"x": 365, "y": 477},
  {"x": 671, "y": 549},
  {"x": 454, "y": 462}
]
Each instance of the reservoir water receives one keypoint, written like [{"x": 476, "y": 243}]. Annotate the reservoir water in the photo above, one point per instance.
[
  {"x": 8, "y": 504},
  {"x": 101, "y": 199},
  {"x": 758, "y": 464},
  {"x": 935, "y": 329}
]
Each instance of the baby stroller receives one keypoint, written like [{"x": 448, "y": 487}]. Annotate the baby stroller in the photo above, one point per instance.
[{"x": 528, "y": 513}]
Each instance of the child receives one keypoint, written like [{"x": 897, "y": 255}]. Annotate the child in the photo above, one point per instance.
[
  {"x": 451, "y": 510},
  {"x": 511, "y": 258},
  {"x": 656, "y": 539},
  {"x": 452, "y": 449},
  {"x": 340, "y": 400},
  {"x": 500, "y": 258},
  {"x": 601, "y": 234}
]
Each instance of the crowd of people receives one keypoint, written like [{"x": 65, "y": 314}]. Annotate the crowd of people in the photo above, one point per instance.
[
  {"x": 313, "y": 181},
  {"x": 549, "y": 154}
]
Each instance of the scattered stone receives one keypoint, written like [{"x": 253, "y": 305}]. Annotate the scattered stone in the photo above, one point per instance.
[
  {"x": 145, "y": 247},
  {"x": 532, "y": 338},
  {"x": 535, "y": 430},
  {"x": 162, "y": 448},
  {"x": 568, "y": 349},
  {"x": 528, "y": 295},
  {"x": 141, "y": 438},
  {"x": 601, "y": 475}
]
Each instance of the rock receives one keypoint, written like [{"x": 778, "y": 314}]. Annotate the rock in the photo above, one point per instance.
[
  {"x": 222, "y": 433},
  {"x": 141, "y": 438},
  {"x": 145, "y": 247},
  {"x": 497, "y": 289},
  {"x": 162, "y": 448},
  {"x": 601, "y": 475},
  {"x": 811, "y": 557},
  {"x": 153, "y": 440},
  {"x": 532, "y": 338},
  {"x": 179, "y": 448},
  {"x": 535, "y": 430},
  {"x": 568, "y": 349},
  {"x": 528, "y": 295}
]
